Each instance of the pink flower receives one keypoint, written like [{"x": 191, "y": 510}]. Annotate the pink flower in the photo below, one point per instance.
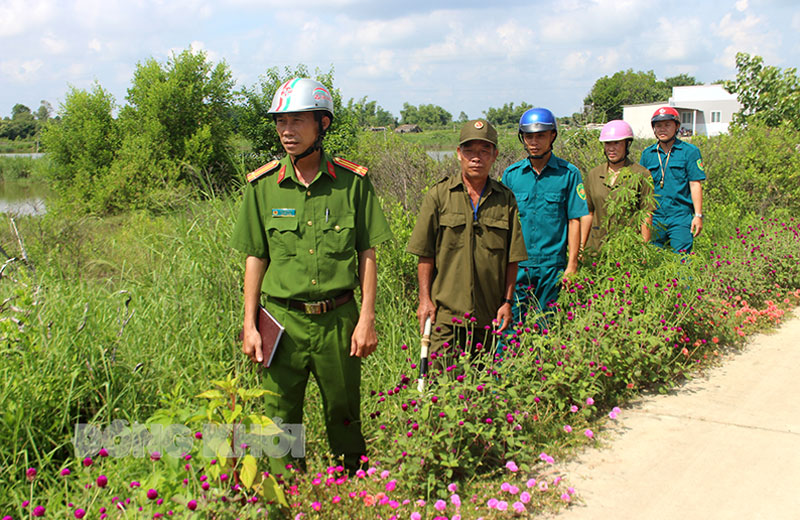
[
  {"x": 391, "y": 485},
  {"x": 416, "y": 516},
  {"x": 568, "y": 428},
  {"x": 155, "y": 456},
  {"x": 192, "y": 505},
  {"x": 502, "y": 505},
  {"x": 492, "y": 503},
  {"x": 543, "y": 486},
  {"x": 38, "y": 511},
  {"x": 565, "y": 497},
  {"x": 65, "y": 472},
  {"x": 589, "y": 433},
  {"x": 589, "y": 401},
  {"x": 102, "y": 481},
  {"x": 519, "y": 507},
  {"x": 30, "y": 474},
  {"x": 440, "y": 505},
  {"x": 524, "y": 497},
  {"x": 135, "y": 484},
  {"x": 103, "y": 452},
  {"x": 316, "y": 506},
  {"x": 452, "y": 487},
  {"x": 79, "y": 513},
  {"x": 87, "y": 462},
  {"x": 455, "y": 500},
  {"x": 612, "y": 415},
  {"x": 384, "y": 473},
  {"x": 152, "y": 494},
  {"x": 530, "y": 483},
  {"x": 512, "y": 466},
  {"x": 573, "y": 408}
]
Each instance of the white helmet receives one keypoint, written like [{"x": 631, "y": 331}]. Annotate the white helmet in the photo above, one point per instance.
[{"x": 302, "y": 95}]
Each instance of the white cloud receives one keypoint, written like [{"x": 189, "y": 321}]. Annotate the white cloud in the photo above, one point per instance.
[
  {"x": 95, "y": 45},
  {"x": 745, "y": 35},
  {"x": 741, "y": 6},
  {"x": 20, "y": 16},
  {"x": 21, "y": 71},
  {"x": 53, "y": 44},
  {"x": 676, "y": 41}
]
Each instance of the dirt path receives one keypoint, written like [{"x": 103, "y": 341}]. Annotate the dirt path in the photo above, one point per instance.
[{"x": 725, "y": 446}]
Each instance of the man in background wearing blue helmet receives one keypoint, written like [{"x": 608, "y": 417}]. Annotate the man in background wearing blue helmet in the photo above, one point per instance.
[
  {"x": 551, "y": 201},
  {"x": 678, "y": 176},
  {"x": 309, "y": 224}
]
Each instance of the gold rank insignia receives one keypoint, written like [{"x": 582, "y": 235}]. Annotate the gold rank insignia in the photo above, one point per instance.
[
  {"x": 353, "y": 167},
  {"x": 263, "y": 170}
]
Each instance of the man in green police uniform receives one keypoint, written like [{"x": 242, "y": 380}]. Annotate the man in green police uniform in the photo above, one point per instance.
[
  {"x": 678, "y": 175},
  {"x": 468, "y": 240},
  {"x": 309, "y": 224},
  {"x": 551, "y": 198},
  {"x": 618, "y": 182}
]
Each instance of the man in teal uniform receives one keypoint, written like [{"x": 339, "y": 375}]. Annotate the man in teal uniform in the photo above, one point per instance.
[
  {"x": 677, "y": 171},
  {"x": 309, "y": 224},
  {"x": 468, "y": 240},
  {"x": 551, "y": 201}
]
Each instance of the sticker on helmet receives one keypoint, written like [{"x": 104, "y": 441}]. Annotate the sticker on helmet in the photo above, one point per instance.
[
  {"x": 478, "y": 124},
  {"x": 700, "y": 165},
  {"x": 581, "y": 191},
  {"x": 321, "y": 93}
]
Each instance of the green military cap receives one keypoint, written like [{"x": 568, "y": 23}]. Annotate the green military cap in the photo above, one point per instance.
[{"x": 478, "y": 129}]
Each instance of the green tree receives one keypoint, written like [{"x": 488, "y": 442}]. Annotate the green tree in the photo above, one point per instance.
[
  {"x": 82, "y": 145},
  {"x": 176, "y": 127},
  {"x": 609, "y": 93},
  {"x": 258, "y": 126},
  {"x": 426, "y": 116},
  {"x": 369, "y": 113},
  {"x": 768, "y": 94},
  {"x": 681, "y": 80},
  {"x": 462, "y": 117},
  {"x": 44, "y": 112},
  {"x": 508, "y": 114},
  {"x": 22, "y": 124}
]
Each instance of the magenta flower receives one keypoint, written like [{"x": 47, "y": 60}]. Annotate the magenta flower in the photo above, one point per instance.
[
  {"x": 589, "y": 433},
  {"x": 38, "y": 511},
  {"x": 565, "y": 497},
  {"x": 568, "y": 428},
  {"x": 452, "y": 487},
  {"x": 455, "y": 500},
  {"x": 103, "y": 452},
  {"x": 525, "y": 497},
  {"x": 573, "y": 408},
  {"x": 155, "y": 456},
  {"x": 391, "y": 485},
  {"x": 102, "y": 481},
  {"x": 152, "y": 494},
  {"x": 87, "y": 462},
  {"x": 492, "y": 503},
  {"x": 316, "y": 506},
  {"x": 519, "y": 507},
  {"x": 79, "y": 513},
  {"x": 416, "y": 516},
  {"x": 223, "y": 477},
  {"x": 589, "y": 401},
  {"x": 135, "y": 484},
  {"x": 502, "y": 505},
  {"x": 30, "y": 474},
  {"x": 65, "y": 472},
  {"x": 512, "y": 466},
  {"x": 440, "y": 505},
  {"x": 531, "y": 482}
]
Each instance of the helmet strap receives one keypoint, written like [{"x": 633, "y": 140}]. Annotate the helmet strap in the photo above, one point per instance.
[{"x": 317, "y": 142}]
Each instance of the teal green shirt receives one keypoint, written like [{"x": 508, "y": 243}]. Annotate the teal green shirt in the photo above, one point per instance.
[
  {"x": 547, "y": 202},
  {"x": 684, "y": 164},
  {"x": 310, "y": 235}
]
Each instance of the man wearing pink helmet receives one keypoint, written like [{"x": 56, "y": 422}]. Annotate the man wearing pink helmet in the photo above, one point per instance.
[{"x": 614, "y": 181}]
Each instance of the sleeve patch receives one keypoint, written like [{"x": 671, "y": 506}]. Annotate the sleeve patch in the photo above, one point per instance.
[
  {"x": 700, "y": 165},
  {"x": 353, "y": 167},
  {"x": 581, "y": 191},
  {"x": 263, "y": 170}
]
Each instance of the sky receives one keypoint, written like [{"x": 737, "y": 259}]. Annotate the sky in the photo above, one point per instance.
[{"x": 464, "y": 55}]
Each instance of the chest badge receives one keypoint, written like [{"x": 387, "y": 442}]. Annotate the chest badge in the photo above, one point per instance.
[{"x": 284, "y": 212}]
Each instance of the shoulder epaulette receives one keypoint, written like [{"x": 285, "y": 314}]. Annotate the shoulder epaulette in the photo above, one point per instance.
[
  {"x": 353, "y": 167},
  {"x": 263, "y": 170}
]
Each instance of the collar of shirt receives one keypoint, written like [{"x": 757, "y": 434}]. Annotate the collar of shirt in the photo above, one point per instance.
[
  {"x": 677, "y": 145},
  {"x": 552, "y": 164},
  {"x": 606, "y": 169},
  {"x": 456, "y": 181},
  {"x": 326, "y": 167}
]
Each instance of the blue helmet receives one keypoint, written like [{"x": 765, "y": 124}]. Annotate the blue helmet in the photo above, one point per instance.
[{"x": 537, "y": 120}]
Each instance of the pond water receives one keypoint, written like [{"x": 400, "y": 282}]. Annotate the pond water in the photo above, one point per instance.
[{"x": 22, "y": 198}]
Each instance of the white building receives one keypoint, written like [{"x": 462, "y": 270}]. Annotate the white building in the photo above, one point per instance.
[{"x": 704, "y": 109}]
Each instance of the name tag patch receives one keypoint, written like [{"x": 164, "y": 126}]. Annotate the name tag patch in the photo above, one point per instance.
[{"x": 284, "y": 212}]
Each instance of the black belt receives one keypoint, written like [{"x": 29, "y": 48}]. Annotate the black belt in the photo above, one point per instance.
[{"x": 319, "y": 307}]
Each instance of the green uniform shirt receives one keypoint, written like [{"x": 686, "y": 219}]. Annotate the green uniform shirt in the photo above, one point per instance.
[
  {"x": 310, "y": 235},
  {"x": 671, "y": 177},
  {"x": 470, "y": 251},
  {"x": 600, "y": 190}
]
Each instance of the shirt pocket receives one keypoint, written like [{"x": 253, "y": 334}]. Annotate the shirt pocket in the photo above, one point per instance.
[
  {"x": 453, "y": 226},
  {"x": 282, "y": 236},
  {"x": 338, "y": 234},
  {"x": 553, "y": 204},
  {"x": 495, "y": 234},
  {"x": 677, "y": 168},
  {"x": 523, "y": 204}
]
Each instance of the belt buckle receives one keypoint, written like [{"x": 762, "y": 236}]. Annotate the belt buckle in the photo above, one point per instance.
[{"x": 313, "y": 307}]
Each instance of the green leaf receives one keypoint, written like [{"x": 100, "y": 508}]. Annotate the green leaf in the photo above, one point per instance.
[
  {"x": 248, "y": 470},
  {"x": 212, "y": 394}
]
